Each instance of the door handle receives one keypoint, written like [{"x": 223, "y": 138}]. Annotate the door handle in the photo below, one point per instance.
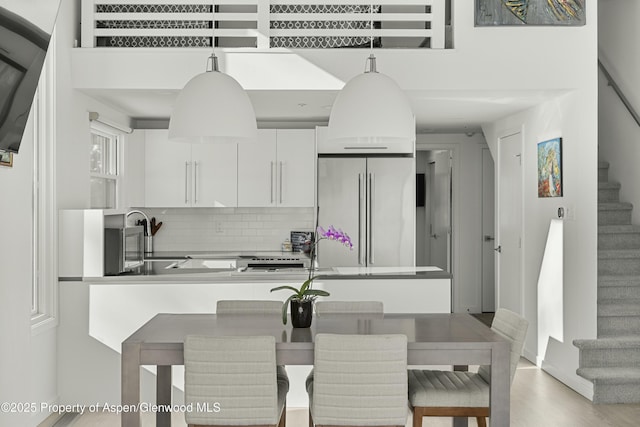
[
  {"x": 272, "y": 165},
  {"x": 361, "y": 220},
  {"x": 281, "y": 179},
  {"x": 498, "y": 249},
  {"x": 195, "y": 183},
  {"x": 488, "y": 238},
  {"x": 186, "y": 182}
]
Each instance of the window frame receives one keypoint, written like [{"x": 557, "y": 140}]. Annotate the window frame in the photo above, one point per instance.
[{"x": 117, "y": 137}]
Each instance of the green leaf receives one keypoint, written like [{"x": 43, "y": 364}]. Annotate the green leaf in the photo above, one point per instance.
[
  {"x": 284, "y": 309},
  {"x": 291, "y": 288},
  {"x": 317, "y": 292}
]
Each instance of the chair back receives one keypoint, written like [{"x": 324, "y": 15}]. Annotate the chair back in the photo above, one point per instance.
[
  {"x": 360, "y": 380},
  {"x": 237, "y": 372},
  {"x": 514, "y": 328},
  {"x": 249, "y": 307},
  {"x": 349, "y": 307}
]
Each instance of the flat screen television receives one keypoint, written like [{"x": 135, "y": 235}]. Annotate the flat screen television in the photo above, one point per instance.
[{"x": 25, "y": 31}]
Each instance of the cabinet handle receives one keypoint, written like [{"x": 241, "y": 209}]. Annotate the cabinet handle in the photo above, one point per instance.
[
  {"x": 371, "y": 219},
  {"x": 195, "y": 183},
  {"x": 281, "y": 179},
  {"x": 272, "y": 171},
  {"x": 186, "y": 182},
  {"x": 361, "y": 221}
]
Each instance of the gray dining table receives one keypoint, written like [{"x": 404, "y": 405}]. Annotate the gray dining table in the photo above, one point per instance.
[{"x": 432, "y": 339}]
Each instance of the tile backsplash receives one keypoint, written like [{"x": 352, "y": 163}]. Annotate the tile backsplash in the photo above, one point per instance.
[{"x": 227, "y": 229}]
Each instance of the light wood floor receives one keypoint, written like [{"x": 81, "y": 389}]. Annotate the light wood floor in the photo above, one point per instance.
[{"x": 537, "y": 400}]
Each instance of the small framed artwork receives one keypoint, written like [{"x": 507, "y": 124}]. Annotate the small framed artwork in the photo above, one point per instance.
[
  {"x": 6, "y": 159},
  {"x": 550, "y": 168}
]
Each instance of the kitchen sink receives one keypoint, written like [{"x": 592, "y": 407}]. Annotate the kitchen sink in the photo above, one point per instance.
[{"x": 202, "y": 263}]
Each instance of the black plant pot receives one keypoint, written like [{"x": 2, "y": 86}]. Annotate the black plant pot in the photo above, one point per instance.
[{"x": 301, "y": 313}]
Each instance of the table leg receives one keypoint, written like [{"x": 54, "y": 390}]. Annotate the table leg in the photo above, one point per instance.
[
  {"x": 163, "y": 395},
  {"x": 130, "y": 383},
  {"x": 500, "y": 393},
  {"x": 460, "y": 421}
]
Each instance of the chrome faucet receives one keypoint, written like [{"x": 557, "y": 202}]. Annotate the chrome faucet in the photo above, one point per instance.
[{"x": 148, "y": 239}]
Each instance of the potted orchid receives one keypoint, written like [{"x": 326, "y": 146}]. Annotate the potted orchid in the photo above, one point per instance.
[{"x": 302, "y": 299}]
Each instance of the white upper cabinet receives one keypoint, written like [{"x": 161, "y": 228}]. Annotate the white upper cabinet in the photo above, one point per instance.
[
  {"x": 279, "y": 170},
  {"x": 179, "y": 174},
  {"x": 296, "y": 167}
]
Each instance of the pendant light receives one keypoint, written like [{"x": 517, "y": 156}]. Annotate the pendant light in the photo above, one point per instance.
[
  {"x": 213, "y": 107},
  {"x": 371, "y": 109}
]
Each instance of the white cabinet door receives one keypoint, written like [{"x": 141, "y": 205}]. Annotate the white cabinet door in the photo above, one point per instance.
[
  {"x": 257, "y": 171},
  {"x": 179, "y": 174},
  {"x": 296, "y": 157},
  {"x": 215, "y": 178},
  {"x": 168, "y": 171}
]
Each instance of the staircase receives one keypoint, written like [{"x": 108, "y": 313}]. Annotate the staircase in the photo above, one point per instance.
[{"x": 612, "y": 361}]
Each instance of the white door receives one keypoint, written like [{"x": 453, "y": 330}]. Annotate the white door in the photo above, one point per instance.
[
  {"x": 168, "y": 171},
  {"x": 440, "y": 198},
  {"x": 296, "y": 167},
  {"x": 509, "y": 220},
  {"x": 215, "y": 177},
  {"x": 257, "y": 171},
  {"x": 488, "y": 235}
]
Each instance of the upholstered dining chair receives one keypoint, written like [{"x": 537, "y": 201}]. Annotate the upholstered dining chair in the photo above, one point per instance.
[
  {"x": 249, "y": 307},
  {"x": 263, "y": 307},
  {"x": 349, "y": 307},
  {"x": 360, "y": 380},
  {"x": 236, "y": 376},
  {"x": 364, "y": 308},
  {"x": 459, "y": 393}
]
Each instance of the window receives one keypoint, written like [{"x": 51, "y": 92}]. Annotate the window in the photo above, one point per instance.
[
  {"x": 104, "y": 168},
  {"x": 45, "y": 220}
]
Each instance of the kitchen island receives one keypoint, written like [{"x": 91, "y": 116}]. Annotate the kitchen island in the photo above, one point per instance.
[{"x": 99, "y": 313}]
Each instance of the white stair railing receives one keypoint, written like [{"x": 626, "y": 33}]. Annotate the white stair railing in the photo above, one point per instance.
[{"x": 264, "y": 24}]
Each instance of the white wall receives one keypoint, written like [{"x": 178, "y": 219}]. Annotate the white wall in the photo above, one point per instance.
[
  {"x": 618, "y": 133},
  {"x": 466, "y": 215},
  {"x": 15, "y": 282},
  {"x": 574, "y": 118}
]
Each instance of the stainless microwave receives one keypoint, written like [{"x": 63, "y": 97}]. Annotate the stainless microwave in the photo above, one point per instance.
[{"x": 123, "y": 249}]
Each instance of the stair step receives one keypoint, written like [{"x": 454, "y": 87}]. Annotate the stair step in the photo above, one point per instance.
[
  {"x": 609, "y": 352},
  {"x": 619, "y": 261},
  {"x": 619, "y": 237},
  {"x": 618, "y": 292},
  {"x": 618, "y": 281},
  {"x": 618, "y": 254},
  {"x": 608, "y": 192},
  {"x": 618, "y": 307},
  {"x": 614, "y": 375},
  {"x": 626, "y": 342},
  {"x": 617, "y": 326},
  {"x": 613, "y": 385},
  {"x": 610, "y": 213}
]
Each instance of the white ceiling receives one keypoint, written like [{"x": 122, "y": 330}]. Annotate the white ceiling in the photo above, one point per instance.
[{"x": 436, "y": 111}]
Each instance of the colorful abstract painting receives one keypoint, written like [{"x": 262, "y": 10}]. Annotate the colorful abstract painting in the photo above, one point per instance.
[
  {"x": 530, "y": 12},
  {"x": 550, "y": 168}
]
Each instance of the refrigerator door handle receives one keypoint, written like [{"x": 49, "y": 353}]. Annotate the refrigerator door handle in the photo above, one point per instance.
[
  {"x": 361, "y": 222},
  {"x": 372, "y": 181}
]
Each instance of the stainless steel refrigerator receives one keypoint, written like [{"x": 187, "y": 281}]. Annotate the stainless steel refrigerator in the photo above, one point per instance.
[{"x": 373, "y": 200}]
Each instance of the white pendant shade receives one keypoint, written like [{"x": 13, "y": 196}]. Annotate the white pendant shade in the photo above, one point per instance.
[
  {"x": 213, "y": 107},
  {"x": 372, "y": 109}
]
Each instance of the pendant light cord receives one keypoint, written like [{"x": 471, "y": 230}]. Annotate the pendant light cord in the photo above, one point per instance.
[
  {"x": 213, "y": 59},
  {"x": 371, "y": 60}
]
